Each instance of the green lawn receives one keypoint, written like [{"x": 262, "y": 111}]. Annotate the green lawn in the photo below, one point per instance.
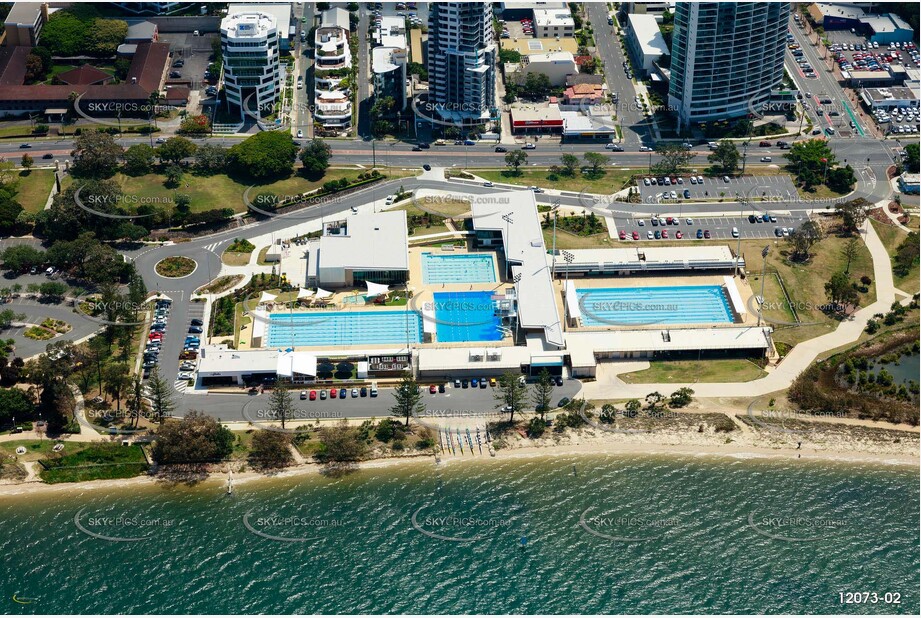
[
  {"x": 95, "y": 461},
  {"x": 34, "y": 187},
  {"x": 687, "y": 371},
  {"x": 892, "y": 237},
  {"x": 805, "y": 283},
  {"x": 611, "y": 182},
  {"x": 220, "y": 191}
]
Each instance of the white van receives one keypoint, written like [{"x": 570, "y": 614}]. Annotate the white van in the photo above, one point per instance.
[
  {"x": 373, "y": 390},
  {"x": 735, "y": 232}
]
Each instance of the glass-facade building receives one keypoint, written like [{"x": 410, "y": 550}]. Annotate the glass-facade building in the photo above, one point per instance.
[{"x": 726, "y": 58}]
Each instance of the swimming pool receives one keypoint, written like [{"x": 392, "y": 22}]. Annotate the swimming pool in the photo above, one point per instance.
[
  {"x": 459, "y": 268},
  {"x": 692, "y": 304},
  {"x": 466, "y": 316},
  {"x": 344, "y": 328}
]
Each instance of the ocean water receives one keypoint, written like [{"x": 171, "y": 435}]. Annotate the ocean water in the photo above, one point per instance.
[{"x": 553, "y": 535}]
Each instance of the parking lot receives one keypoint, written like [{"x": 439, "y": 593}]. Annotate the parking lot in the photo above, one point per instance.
[
  {"x": 779, "y": 187},
  {"x": 195, "y": 51},
  {"x": 720, "y": 228}
]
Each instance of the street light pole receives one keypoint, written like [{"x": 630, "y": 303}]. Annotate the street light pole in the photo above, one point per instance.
[{"x": 764, "y": 254}]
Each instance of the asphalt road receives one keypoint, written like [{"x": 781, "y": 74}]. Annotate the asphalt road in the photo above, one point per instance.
[
  {"x": 35, "y": 312},
  {"x": 439, "y": 409},
  {"x": 635, "y": 125}
]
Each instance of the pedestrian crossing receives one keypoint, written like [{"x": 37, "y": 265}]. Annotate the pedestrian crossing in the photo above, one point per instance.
[{"x": 180, "y": 386}]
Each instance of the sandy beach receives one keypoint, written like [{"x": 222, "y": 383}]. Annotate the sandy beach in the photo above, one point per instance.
[{"x": 822, "y": 442}]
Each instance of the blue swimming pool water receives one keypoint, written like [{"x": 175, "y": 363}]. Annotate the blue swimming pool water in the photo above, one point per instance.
[
  {"x": 462, "y": 268},
  {"x": 466, "y": 316},
  {"x": 344, "y": 328},
  {"x": 697, "y": 304}
]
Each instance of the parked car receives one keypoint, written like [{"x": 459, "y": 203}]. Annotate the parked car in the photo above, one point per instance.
[
  {"x": 342, "y": 393},
  {"x": 529, "y": 146},
  {"x": 501, "y": 149}
]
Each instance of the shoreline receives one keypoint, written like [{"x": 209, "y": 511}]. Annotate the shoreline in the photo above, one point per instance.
[{"x": 732, "y": 451}]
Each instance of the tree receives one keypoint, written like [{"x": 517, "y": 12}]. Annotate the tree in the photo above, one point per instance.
[
  {"x": 681, "y": 397},
  {"x": 263, "y": 156},
  {"x": 280, "y": 402},
  {"x": 654, "y": 402},
  {"x": 803, "y": 238},
  {"x": 850, "y": 251},
  {"x": 841, "y": 179},
  {"x": 515, "y": 159},
  {"x": 64, "y": 34},
  {"x": 315, "y": 157},
  {"x": 543, "y": 393},
  {"x": 104, "y": 37},
  {"x": 95, "y": 154},
  {"x": 116, "y": 381},
  {"x": 408, "y": 398},
  {"x": 725, "y": 157},
  {"x": 14, "y": 402},
  {"x": 535, "y": 86},
  {"x": 160, "y": 394},
  {"x": 570, "y": 163},
  {"x": 139, "y": 159},
  {"x": 173, "y": 175},
  {"x": 27, "y": 161},
  {"x": 340, "y": 443},
  {"x": 912, "y": 157},
  {"x": 10, "y": 211},
  {"x": 809, "y": 160},
  {"x": 674, "y": 157},
  {"x": 53, "y": 290},
  {"x": 135, "y": 402},
  {"x": 175, "y": 149},
  {"x": 596, "y": 162},
  {"x": 840, "y": 292},
  {"x": 510, "y": 394},
  {"x": 271, "y": 449},
  {"x": 8, "y": 316},
  {"x": 853, "y": 214},
  {"x": 197, "y": 438},
  {"x": 210, "y": 159}
]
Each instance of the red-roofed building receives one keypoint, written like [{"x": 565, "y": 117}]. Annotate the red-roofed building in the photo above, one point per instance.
[
  {"x": 145, "y": 76},
  {"x": 583, "y": 94},
  {"x": 84, "y": 76}
]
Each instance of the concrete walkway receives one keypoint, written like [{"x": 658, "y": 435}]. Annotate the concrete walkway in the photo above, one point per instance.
[{"x": 795, "y": 362}]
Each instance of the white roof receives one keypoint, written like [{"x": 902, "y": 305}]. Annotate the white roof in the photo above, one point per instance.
[
  {"x": 654, "y": 258},
  {"x": 677, "y": 339},
  {"x": 646, "y": 31},
  {"x": 575, "y": 122},
  {"x": 524, "y": 248},
  {"x": 392, "y": 31},
  {"x": 280, "y": 11},
  {"x": 375, "y": 241},
  {"x": 451, "y": 359},
  {"x": 553, "y": 17},
  {"x": 382, "y": 58},
  {"x": 301, "y": 363},
  {"x": 335, "y": 17},
  {"x": 221, "y": 360}
]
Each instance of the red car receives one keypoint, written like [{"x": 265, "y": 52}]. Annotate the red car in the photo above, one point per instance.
[
  {"x": 153, "y": 336},
  {"x": 706, "y": 233},
  {"x": 332, "y": 393},
  {"x": 313, "y": 395},
  {"x": 664, "y": 233},
  {"x": 636, "y": 235},
  {"x": 433, "y": 389},
  {"x": 678, "y": 234},
  {"x": 669, "y": 220},
  {"x": 623, "y": 235}
]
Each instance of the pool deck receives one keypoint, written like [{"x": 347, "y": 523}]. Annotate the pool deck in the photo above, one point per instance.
[
  {"x": 422, "y": 293},
  {"x": 748, "y": 319}
]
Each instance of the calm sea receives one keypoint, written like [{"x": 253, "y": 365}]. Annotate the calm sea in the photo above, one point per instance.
[{"x": 549, "y": 535}]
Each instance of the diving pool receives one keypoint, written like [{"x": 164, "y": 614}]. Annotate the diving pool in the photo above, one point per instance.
[
  {"x": 466, "y": 316},
  {"x": 693, "y": 304},
  {"x": 459, "y": 268},
  {"x": 344, "y": 328}
]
